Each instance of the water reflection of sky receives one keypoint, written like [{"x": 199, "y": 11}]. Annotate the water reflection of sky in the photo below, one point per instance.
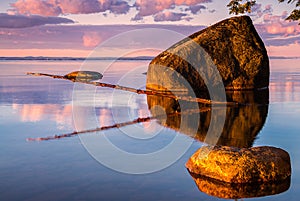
[{"x": 62, "y": 169}]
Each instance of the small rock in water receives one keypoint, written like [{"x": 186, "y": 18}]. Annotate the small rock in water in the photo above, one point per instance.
[
  {"x": 234, "y": 165},
  {"x": 84, "y": 75}
]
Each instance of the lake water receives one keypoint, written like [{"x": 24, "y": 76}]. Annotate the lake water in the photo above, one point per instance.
[{"x": 83, "y": 168}]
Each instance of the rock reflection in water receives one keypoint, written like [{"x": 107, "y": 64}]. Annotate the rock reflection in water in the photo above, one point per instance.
[
  {"x": 235, "y": 191},
  {"x": 242, "y": 124}
]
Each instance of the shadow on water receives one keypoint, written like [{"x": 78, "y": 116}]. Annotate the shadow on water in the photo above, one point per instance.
[
  {"x": 236, "y": 191},
  {"x": 242, "y": 124}
]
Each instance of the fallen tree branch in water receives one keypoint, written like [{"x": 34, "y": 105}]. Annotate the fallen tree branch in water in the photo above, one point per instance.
[
  {"x": 86, "y": 80},
  {"x": 118, "y": 125},
  {"x": 138, "y": 120}
]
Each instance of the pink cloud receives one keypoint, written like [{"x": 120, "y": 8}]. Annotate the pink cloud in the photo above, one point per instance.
[
  {"x": 168, "y": 16},
  {"x": 146, "y": 7},
  {"x": 278, "y": 28},
  {"x": 91, "y": 39},
  {"x": 77, "y": 6},
  {"x": 143, "y": 7},
  {"x": 69, "y": 40},
  {"x": 275, "y": 30},
  {"x": 257, "y": 11},
  {"x": 57, "y": 7},
  {"x": 268, "y": 8},
  {"x": 35, "y": 7},
  {"x": 276, "y": 24},
  {"x": 78, "y": 41}
]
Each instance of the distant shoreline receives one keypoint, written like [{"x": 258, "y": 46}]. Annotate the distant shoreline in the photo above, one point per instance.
[
  {"x": 29, "y": 58},
  {"x": 282, "y": 57}
]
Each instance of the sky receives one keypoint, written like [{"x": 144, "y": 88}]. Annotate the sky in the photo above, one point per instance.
[{"x": 76, "y": 28}]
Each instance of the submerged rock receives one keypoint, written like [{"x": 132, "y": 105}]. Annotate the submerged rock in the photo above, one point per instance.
[
  {"x": 234, "y": 165},
  {"x": 232, "y": 45},
  {"x": 237, "y": 191}
]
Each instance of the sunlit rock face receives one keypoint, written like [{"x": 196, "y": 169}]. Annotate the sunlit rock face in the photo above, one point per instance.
[
  {"x": 241, "y": 125},
  {"x": 234, "y": 165},
  {"x": 227, "y": 190},
  {"x": 232, "y": 46}
]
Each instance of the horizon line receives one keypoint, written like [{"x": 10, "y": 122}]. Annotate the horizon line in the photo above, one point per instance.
[
  {"x": 53, "y": 58},
  {"x": 49, "y": 58}
]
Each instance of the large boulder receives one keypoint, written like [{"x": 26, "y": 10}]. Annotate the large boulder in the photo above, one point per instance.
[
  {"x": 233, "y": 46},
  {"x": 234, "y": 165}
]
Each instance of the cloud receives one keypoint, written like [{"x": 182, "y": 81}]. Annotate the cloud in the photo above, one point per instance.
[
  {"x": 196, "y": 8},
  {"x": 287, "y": 29},
  {"x": 146, "y": 7},
  {"x": 77, "y": 6},
  {"x": 257, "y": 11},
  {"x": 279, "y": 33},
  {"x": 57, "y": 7},
  {"x": 120, "y": 7},
  {"x": 274, "y": 29},
  {"x": 78, "y": 39},
  {"x": 21, "y": 21},
  {"x": 35, "y": 7},
  {"x": 282, "y": 41},
  {"x": 277, "y": 25},
  {"x": 143, "y": 8},
  {"x": 91, "y": 39},
  {"x": 168, "y": 16}
]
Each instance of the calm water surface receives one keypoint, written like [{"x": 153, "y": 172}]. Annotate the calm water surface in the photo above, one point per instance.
[{"x": 64, "y": 170}]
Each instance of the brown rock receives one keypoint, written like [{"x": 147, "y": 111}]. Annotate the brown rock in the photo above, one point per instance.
[
  {"x": 232, "y": 45},
  {"x": 234, "y": 165},
  {"x": 237, "y": 191},
  {"x": 83, "y": 76}
]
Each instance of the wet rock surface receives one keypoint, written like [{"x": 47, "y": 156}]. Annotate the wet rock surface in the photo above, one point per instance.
[
  {"x": 84, "y": 76},
  {"x": 232, "y": 45},
  {"x": 234, "y": 165}
]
